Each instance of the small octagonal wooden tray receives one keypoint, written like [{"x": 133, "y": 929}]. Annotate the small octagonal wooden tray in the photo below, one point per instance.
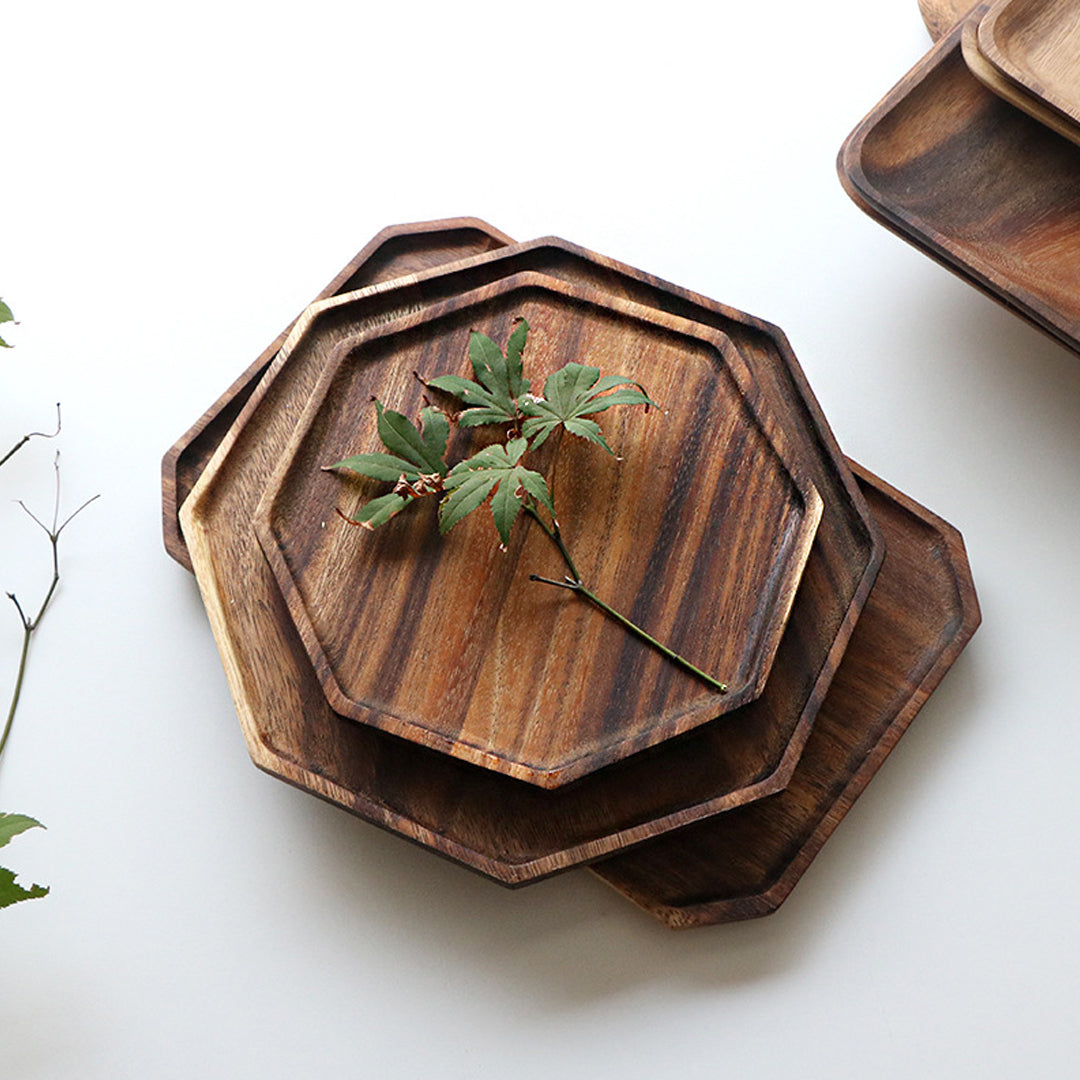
[
  {"x": 700, "y": 529},
  {"x": 1036, "y": 45},
  {"x": 511, "y": 831},
  {"x": 987, "y": 191},
  {"x": 921, "y": 613},
  {"x": 1006, "y": 89},
  {"x": 397, "y": 250}
]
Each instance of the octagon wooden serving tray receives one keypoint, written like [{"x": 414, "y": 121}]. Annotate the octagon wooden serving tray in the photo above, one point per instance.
[
  {"x": 397, "y": 250},
  {"x": 977, "y": 184},
  {"x": 701, "y": 528},
  {"x": 940, "y": 16},
  {"x": 512, "y": 831},
  {"x": 1014, "y": 94},
  {"x": 921, "y": 613},
  {"x": 1036, "y": 45}
]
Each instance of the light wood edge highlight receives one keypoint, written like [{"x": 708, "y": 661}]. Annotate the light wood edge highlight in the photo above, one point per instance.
[{"x": 1010, "y": 87}]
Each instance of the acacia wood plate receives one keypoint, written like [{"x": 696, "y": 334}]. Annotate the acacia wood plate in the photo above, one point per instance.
[
  {"x": 940, "y": 16},
  {"x": 511, "y": 831},
  {"x": 700, "y": 530},
  {"x": 1006, "y": 89},
  {"x": 397, "y": 250},
  {"x": 977, "y": 184},
  {"x": 1036, "y": 45},
  {"x": 921, "y": 613}
]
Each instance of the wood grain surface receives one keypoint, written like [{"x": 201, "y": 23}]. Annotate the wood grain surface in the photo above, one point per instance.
[
  {"x": 700, "y": 533},
  {"x": 1006, "y": 89},
  {"x": 1036, "y": 45},
  {"x": 978, "y": 184},
  {"x": 941, "y": 16},
  {"x": 516, "y": 832},
  {"x": 921, "y": 613},
  {"x": 397, "y": 250}
]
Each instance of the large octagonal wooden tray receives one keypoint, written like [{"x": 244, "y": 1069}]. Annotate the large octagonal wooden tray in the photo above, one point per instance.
[
  {"x": 700, "y": 528},
  {"x": 921, "y": 613},
  {"x": 396, "y": 251},
  {"x": 977, "y": 184},
  {"x": 509, "y": 830}
]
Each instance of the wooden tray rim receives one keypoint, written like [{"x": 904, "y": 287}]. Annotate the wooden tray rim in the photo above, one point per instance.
[
  {"x": 862, "y": 190},
  {"x": 765, "y": 902},
  {"x": 519, "y": 873},
  {"x": 712, "y": 705}
]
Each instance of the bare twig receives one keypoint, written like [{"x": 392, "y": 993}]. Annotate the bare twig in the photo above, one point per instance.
[
  {"x": 29, "y": 624},
  {"x": 33, "y": 435}
]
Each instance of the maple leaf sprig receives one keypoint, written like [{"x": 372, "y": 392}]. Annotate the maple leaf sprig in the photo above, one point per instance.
[{"x": 414, "y": 460}]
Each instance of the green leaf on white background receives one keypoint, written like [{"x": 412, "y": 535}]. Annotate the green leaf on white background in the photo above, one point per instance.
[
  {"x": 5, "y": 316},
  {"x": 11, "y": 892}
]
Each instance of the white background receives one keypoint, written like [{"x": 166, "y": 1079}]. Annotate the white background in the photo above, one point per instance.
[{"x": 178, "y": 181}]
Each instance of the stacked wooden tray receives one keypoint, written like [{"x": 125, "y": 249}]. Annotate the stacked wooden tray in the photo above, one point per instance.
[
  {"x": 372, "y": 671},
  {"x": 973, "y": 158}
]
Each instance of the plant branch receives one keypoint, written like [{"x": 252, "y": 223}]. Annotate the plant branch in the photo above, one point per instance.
[
  {"x": 573, "y": 582},
  {"x": 32, "y": 435},
  {"x": 29, "y": 625}
]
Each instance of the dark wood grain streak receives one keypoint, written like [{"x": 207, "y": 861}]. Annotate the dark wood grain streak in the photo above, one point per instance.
[
  {"x": 921, "y": 613},
  {"x": 397, "y": 250},
  {"x": 701, "y": 529},
  {"x": 977, "y": 184},
  {"x": 512, "y": 831}
]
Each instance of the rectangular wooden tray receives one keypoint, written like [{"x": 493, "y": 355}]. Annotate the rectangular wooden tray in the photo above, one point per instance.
[
  {"x": 921, "y": 613},
  {"x": 978, "y": 185},
  {"x": 501, "y": 829}
]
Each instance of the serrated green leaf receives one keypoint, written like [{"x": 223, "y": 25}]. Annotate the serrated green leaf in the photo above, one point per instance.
[
  {"x": 401, "y": 437},
  {"x": 435, "y": 431},
  {"x": 626, "y": 396},
  {"x": 573, "y": 392},
  {"x": 515, "y": 346},
  {"x": 495, "y": 471},
  {"x": 479, "y": 417},
  {"x": 380, "y": 467},
  {"x": 13, "y": 824},
  {"x": 379, "y": 511},
  {"x": 537, "y": 487},
  {"x": 506, "y": 504},
  {"x": 465, "y": 496},
  {"x": 466, "y": 390},
  {"x": 587, "y": 429},
  {"x": 11, "y": 893},
  {"x": 5, "y": 313}
]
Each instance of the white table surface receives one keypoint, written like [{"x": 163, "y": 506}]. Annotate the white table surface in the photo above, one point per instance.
[{"x": 178, "y": 181}]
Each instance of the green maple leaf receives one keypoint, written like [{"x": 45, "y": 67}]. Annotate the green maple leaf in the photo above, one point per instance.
[
  {"x": 11, "y": 893},
  {"x": 493, "y": 471},
  {"x": 571, "y": 395},
  {"x": 500, "y": 382},
  {"x": 415, "y": 461},
  {"x": 5, "y": 316}
]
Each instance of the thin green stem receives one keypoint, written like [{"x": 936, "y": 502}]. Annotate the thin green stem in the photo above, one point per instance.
[
  {"x": 574, "y": 583},
  {"x": 553, "y": 531},
  {"x": 27, "y": 633}
]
